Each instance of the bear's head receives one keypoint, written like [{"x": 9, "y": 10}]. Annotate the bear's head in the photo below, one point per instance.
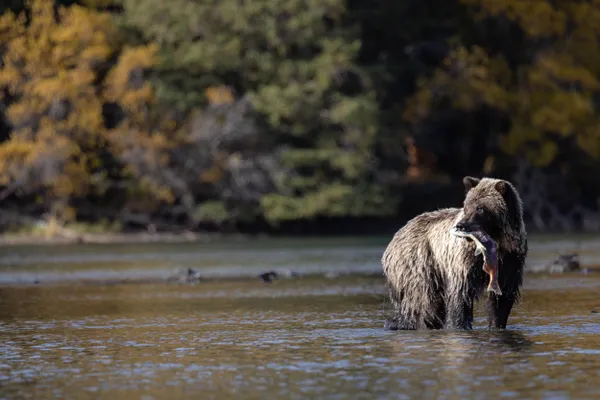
[{"x": 494, "y": 206}]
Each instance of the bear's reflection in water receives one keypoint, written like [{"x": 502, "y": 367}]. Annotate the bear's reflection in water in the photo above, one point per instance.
[{"x": 462, "y": 363}]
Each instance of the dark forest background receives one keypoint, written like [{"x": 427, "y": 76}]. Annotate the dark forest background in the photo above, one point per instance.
[{"x": 318, "y": 116}]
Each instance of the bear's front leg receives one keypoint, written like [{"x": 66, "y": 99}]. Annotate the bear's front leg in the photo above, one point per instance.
[
  {"x": 511, "y": 279},
  {"x": 459, "y": 314},
  {"x": 499, "y": 308}
]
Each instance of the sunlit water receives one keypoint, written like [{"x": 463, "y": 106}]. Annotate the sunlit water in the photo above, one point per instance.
[{"x": 310, "y": 337}]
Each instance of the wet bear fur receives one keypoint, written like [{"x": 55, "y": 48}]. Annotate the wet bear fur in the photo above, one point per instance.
[{"x": 433, "y": 278}]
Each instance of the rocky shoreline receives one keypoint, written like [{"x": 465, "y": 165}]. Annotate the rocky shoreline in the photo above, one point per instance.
[
  {"x": 165, "y": 276},
  {"x": 191, "y": 276},
  {"x": 567, "y": 261}
]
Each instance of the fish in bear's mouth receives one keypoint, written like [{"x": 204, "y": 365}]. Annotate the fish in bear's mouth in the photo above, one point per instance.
[{"x": 488, "y": 247}]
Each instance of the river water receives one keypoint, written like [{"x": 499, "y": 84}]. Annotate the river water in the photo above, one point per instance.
[{"x": 318, "y": 335}]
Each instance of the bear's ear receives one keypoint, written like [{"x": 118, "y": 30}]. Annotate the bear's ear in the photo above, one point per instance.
[
  {"x": 470, "y": 182},
  {"x": 500, "y": 187}
]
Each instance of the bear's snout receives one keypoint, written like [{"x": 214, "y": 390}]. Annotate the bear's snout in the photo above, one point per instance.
[
  {"x": 466, "y": 226},
  {"x": 460, "y": 226}
]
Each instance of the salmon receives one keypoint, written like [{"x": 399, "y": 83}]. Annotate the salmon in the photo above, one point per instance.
[{"x": 486, "y": 246}]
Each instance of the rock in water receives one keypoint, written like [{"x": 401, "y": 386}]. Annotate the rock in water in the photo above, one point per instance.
[
  {"x": 564, "y": 263},
  {"x": 268, "y": 277},
  {"x": 485, "y": 245},
  {"x": 188, "y": 275}
]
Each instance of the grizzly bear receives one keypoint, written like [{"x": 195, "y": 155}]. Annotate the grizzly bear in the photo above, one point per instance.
[{"x": 433, "y": 277}]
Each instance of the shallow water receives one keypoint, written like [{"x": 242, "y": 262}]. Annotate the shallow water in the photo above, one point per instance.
[
  {"x": 296, "y": 338},
  {"x": 223, "y": 259}
]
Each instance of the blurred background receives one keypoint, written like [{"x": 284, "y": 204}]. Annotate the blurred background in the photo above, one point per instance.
[
  {"x": 176, "y": 150},
  {"x": 320, "y": 117}
]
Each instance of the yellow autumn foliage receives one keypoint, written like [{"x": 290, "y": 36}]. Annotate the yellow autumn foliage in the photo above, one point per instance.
[
  {"x": 53, "y": 68},
  {"x": 132, "y": 96},
  {"x": 218, "y": 95},
  {"x": 468, "y": 76},
  {"x": 537, "y": 17},
  {"x": 548, "y": 98},
  {"x": 99, "y": 3}
]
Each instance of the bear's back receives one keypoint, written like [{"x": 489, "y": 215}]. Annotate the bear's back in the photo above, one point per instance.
[
  {"x": 427, "y": 237},
  {"x": 430, "y": 222}
]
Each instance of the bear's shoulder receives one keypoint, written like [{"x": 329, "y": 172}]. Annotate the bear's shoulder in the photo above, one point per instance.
[{"x": 437, "y": 215}]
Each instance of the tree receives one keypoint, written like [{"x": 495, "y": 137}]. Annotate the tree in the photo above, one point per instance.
[
  {"x": 548, "y": 98},
  {"x": 52, "y": 73},
  {"x": 315, "y": 110}
]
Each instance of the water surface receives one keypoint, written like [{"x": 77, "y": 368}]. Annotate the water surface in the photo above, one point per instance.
[{"x": 309, "y": 337}]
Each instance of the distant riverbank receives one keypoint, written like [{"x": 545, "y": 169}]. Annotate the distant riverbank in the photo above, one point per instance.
[
  {"x": 13, "y": 239},
  {"x": 45, "y": 234},
  {"x": 143, "y": 258}
]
